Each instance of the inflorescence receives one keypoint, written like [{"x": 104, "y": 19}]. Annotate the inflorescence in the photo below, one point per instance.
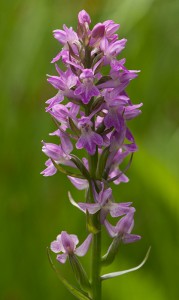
[{"x": 91, "y": 110}]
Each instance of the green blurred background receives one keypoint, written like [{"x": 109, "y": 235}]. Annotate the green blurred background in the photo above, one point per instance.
[{"x": 35, "y": 209}]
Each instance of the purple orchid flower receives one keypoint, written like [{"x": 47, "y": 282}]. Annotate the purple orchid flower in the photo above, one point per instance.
[
  {"x": 120, "y": 76},
  {"x": 86, "y": 88},
  {"x": 62, "y": 113},
  {"x": 88, "y": 139},
  {"x": 50, "y": 170},
  {"x": 66, "y": 143},
  {"x": 58, "y": 98},
  {"x": 56, "y": 153},
  {"x": 91, "y": 110},
  {"x": 64, "y": 83},
  {"x": 66, "y": 243},
  {"x": 121, "y": 177},
  {"x": 123, "y": 229},
  {"x": 110, "y": 28},
  {"x": 114, "y": 119},
  {"x": 131, "y": 111},
  {"x": 66, "y": 36},
  {"x": 111, "y": 50},
  {"x": 104, "y": 204}
]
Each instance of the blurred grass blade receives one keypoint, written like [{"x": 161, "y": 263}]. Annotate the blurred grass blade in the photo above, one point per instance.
[
  {"x": 73, "y": 290},
  {"x": 115, "y": 274}
]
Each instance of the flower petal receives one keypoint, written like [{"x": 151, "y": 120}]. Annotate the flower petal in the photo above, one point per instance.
[
  {"x": 67, "y": 242},
  {"x": 55, "y": 247},
  {"x": 130, "y": 238},
  {"x": 80, "y": 184},
  {"x": 92, "y": 208},
  {"x": 117, "y": 210},
  {"x": 62, "y": 258},
  {"x": 81, "y": 250},
  {"x": 110, "y": 229},
  {"x": 74, "y": 239},
  {"x": 50, "y": 170}
]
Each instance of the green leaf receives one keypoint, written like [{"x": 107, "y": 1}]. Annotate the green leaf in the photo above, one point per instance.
[
  {"x": 80, "y": 166},
  {"x": 97, "y": 103},
  {"x": 111, "y": 253},
  {"x": 68, "y": 173},
  {"x": 102, "y": 162},
  {"x": 80, "y": 273},
  {"x": 115, "y": 274},
  {"x": 103, "y": 79},
  {"x": 96, "y": 59},
  {"x": 73, "y": 127},
  {"x": 79, "y": 294}
]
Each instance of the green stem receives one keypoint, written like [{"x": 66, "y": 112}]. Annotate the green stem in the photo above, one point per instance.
[
  {"x": 96, "y": 262},
  {"x": 93, "y": 161},
  {"x": 96, "y": 244}
]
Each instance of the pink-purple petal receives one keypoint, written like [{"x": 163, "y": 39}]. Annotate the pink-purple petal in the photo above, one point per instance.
[
  {"x": 92, "y": 208},
  {"x": 117, "y": 210},
  {"x": 55, "y": 247},
  {"x": 80, "y": 184},
  {"x": 110, "y": 229},
  {"x": 50, "y": 170},
  {"x": 130, "y": 238},
  {"x": 62, "y": 258},
  {"x": 67, "y": 242},
  {"x": 83, "y": 248}
]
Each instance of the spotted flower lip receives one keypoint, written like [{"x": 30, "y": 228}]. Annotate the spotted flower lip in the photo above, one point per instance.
[
  {"x": 66, "y": 243},
  {"x": 87, "y": 89},
  {"x": 89, "y": 139}
]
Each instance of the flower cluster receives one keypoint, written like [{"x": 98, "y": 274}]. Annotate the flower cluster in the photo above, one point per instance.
[{"x": 91, "y": 110}]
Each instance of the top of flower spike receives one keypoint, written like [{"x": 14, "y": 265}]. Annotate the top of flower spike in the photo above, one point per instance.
[
  {"x": 83, "y": 17},
  {"x": 98, "y": 107},
  {"x": 91, "y": 110}
]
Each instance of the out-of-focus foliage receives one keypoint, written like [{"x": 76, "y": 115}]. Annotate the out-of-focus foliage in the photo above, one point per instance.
[{"x": 35, "y": 209}]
